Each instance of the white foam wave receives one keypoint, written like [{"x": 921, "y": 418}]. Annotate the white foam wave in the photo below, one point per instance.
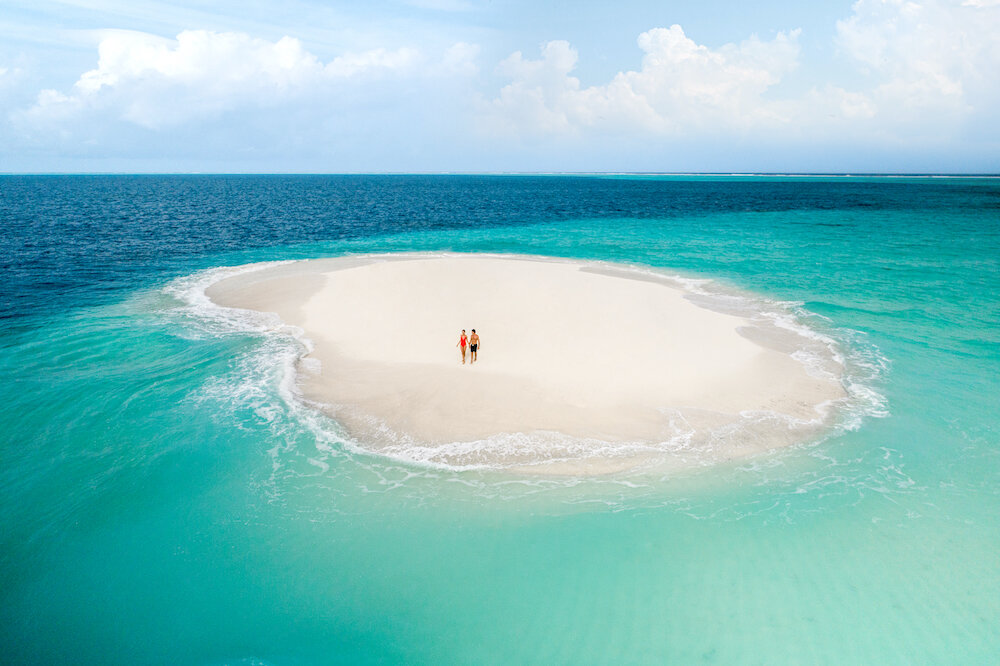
[
  {"x": 208, "y": 318},
  {"x": 273, "y": 365},
  {"x": 264, "y": 379}
]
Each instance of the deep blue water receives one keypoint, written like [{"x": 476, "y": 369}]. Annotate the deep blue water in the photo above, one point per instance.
[
  {"x": 90, "y": 237},
  {"x": 165, "y": 503}
]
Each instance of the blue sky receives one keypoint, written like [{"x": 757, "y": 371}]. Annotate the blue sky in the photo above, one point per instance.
[{"x": 460, "y": 85}]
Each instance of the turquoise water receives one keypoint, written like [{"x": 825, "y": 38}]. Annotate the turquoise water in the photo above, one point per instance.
[{"x": 167, "y": 500}]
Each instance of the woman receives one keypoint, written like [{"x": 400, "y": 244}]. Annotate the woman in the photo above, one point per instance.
[{"x": 462, "y": 342}]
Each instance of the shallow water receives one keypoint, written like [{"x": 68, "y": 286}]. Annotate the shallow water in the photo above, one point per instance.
[
  {"x": 167, "y": 500},
  {"x": 830, "y": 395}
]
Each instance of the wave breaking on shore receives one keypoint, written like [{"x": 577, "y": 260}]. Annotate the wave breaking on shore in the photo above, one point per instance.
[{"x": 548, "y": 427}]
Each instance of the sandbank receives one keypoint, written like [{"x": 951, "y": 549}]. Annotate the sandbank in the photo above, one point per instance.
[{"x": 584, "y": 367}]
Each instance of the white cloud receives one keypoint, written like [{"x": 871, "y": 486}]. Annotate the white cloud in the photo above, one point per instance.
[
  {"x": 10, "y": 74},
  {"x": 925, "y": 58},
  {"x": 353, "y": 64},
  {"x": 681, "y": 85},
  {"x": 921, "y": 70},
  {"x": 461, "y": 58},
  {"x": 153, "y": 82},
  {"x": 910, "y": 74}
]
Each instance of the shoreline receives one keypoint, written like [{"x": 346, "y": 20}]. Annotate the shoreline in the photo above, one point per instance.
[{"x": 595, "y": 402}]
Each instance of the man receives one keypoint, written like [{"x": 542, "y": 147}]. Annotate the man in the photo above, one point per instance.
[
  {"x": 474, "y": 345},
  {"x": 462, "y": 341}
]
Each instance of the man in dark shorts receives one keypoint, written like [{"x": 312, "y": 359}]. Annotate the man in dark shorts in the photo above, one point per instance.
[{"x": 474, "y": 345}]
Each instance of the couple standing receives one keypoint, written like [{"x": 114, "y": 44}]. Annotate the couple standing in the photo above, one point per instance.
[{"x": 473, "y": 344}]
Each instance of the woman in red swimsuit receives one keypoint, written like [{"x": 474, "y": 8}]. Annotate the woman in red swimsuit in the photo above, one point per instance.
[{"x": 462, "y": 342}]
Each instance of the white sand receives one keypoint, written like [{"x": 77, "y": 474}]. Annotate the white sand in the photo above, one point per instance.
[{"x": 580, "y": 368}]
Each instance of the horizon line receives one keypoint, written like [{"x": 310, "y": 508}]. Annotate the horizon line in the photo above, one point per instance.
[{"x": 801, "y": 174}]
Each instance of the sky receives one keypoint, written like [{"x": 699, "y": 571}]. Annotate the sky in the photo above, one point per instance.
[{"x": 872, "y": 86}]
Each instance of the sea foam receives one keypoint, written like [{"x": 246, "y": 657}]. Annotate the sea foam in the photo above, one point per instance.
[{"x": 272, "y": 369}]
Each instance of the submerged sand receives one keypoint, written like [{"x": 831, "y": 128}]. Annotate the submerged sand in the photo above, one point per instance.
[{"x": 584, "y": 367}]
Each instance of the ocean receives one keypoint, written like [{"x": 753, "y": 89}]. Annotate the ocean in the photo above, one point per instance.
[{"x": 168, "y": 499}]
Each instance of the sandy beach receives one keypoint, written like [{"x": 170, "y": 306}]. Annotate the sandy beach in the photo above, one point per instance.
[{"x": 582, "y": 368}]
